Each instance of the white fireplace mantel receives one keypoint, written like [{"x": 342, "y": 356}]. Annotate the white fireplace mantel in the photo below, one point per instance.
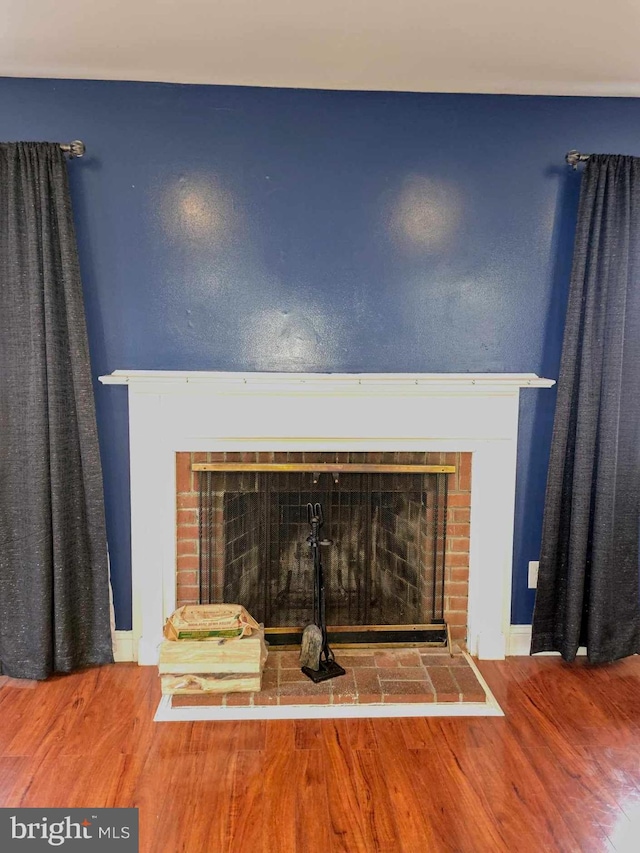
[{"x": 171, "y": 411}]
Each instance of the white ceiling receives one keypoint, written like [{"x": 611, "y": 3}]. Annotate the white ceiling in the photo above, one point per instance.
[{"x": 587, "y": 47}]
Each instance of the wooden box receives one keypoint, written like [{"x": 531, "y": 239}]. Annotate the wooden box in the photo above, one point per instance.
[{"x": 213, "y": 665}]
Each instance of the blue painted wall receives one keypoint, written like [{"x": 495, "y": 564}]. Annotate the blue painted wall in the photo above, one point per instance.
[{"x": 261, "y": 229}]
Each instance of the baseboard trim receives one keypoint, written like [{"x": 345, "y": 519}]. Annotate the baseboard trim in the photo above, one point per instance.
[
  {"x": 124, "y": 647},
  {"x": 519, "y": 642}
]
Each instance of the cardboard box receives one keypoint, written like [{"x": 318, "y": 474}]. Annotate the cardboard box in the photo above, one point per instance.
[
  {"x": 213, "y": 663},
  {"x": 204, "y": 621}
]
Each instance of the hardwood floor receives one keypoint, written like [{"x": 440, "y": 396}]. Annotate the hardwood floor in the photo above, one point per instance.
[{"x": 561, "y": 772}]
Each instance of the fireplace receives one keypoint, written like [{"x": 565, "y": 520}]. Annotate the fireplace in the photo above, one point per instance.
[
  {"x": 396, "y": 559},
  {"x": 201, "y": 412}
]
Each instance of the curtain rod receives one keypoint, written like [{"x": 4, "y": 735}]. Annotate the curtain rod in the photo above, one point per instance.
[
  {"x": 74, "y": 149},
  {"x": 574, "y": 157}
]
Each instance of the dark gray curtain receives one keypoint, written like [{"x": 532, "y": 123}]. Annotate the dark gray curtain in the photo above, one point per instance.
[
  {"x": 54, "y": 594},
  {"x": 588, "y": 584}
]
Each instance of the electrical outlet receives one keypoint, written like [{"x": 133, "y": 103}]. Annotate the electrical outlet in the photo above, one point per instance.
[{"x": 534, "y": 565}]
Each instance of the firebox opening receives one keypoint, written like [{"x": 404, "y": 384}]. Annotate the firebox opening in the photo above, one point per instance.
[{"x": 384, "y": 567}]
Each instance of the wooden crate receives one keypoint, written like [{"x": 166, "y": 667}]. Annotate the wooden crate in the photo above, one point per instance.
[
  {"x": 212, "y": 666},
  {"x": 192, "y": 685}
]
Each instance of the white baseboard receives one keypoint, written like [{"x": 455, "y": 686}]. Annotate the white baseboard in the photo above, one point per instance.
[
  {"x": 124, "y": 647},
  {"x": 519, "y": 642}
]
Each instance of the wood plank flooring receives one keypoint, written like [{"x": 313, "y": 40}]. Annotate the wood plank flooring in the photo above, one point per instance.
[{"x": 561, "y": 772}]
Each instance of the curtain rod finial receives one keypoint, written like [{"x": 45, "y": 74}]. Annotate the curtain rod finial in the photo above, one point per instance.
[
  {"x": 574, "y": 157},
  {"x": 74, "y": 149},
  {"x": 77, "y": 148}
]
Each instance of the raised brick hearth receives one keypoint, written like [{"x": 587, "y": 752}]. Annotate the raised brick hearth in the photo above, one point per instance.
[{"x": 381, "y": 676}]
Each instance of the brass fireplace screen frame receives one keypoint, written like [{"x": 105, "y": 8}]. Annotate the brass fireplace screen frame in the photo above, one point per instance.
[
  {"x": 387, "y": 635},
  {"x": 324, "y": 467}
]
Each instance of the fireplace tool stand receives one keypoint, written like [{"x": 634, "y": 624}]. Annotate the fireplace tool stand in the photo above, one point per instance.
[{"x": 315, "y": 646}]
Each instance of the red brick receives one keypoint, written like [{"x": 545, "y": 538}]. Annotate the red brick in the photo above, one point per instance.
[
  {"x": 187, "y": 501},
  {"x": 458, "y": 545},
  {"x": 287, "y": 660},
  {"x": 370, "y": 698},
  {"x": 443, "y": 682},
  {"x": 190, "y": 592},
  {"x": 459, "y": 530},
  {"x": 183, "y": 472},
  {"x": 344, "y": 686},
  {"x": 469, "y": 686},
  {"x": 457, "y": 559},
  {"x": 187, "y": 517},
  {"x": 238, "y": 698},
  {"x": 464, "y": 472},
  {"x": 457, "y": 603},
  {"x": 456, "y": 659},
  {"x": 187, "y": 561},
  {"x": 269, "y": 679},
  {"x": 454, "y": 618},
  {"x": 460, "y": 515},
  {"x": 188, "y": 578},
  {"x": 458, "y": 588},
  {"x": 318, "y": 699},
  {"x": 400, "y": 673},
  {"x": 197, "y": 699},
  {"x": 405, "y": 698},
  {"x": 408, "y": 657},
  {"x": 199, "y": 457},
  {"x": 187, "y": 546},
  {"x": 306, "y": 688},
  {"x": 367, "y": 682},
  {"x": 458, "y": 499},
  {"x": 292, "y": 676},
  {"x": 460, "y": 573},
  {"x": 188, "y": 531},
  {"x": 458, "y": 633},
  {"x": 267, "y": 697},
  {"x": 394, "y": 690},
  {"x": 386, "y": 659},
  {"x": 349, "y": 659}
]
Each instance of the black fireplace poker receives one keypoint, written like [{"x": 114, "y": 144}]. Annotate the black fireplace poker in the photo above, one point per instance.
[{"x": 323, "y": 666}]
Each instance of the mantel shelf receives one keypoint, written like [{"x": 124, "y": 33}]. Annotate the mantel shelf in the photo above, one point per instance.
[{"x": 319, "y": 381}]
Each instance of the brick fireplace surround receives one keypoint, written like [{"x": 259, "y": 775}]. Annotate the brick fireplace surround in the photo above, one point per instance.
[{"x": 200, "y": 412}]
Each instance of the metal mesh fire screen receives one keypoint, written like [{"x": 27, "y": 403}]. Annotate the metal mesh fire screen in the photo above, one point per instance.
[{"x": 384, "y": 565}]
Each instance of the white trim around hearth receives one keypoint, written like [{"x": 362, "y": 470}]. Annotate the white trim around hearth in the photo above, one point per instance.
[{"x": 173, "y": 411}]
